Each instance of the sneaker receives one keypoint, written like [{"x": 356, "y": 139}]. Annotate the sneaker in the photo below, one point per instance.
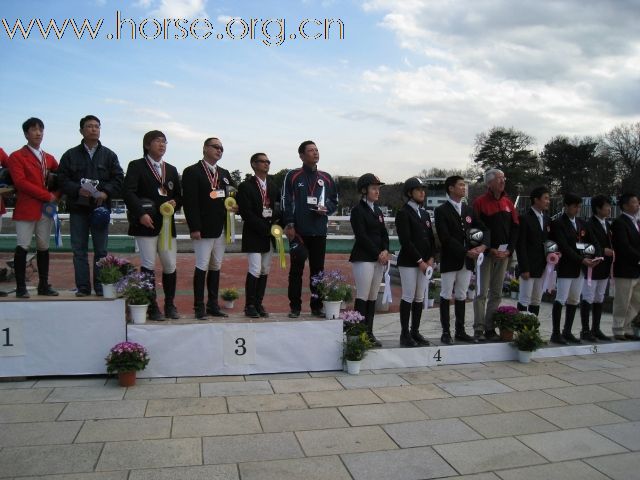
[
  {"x": 600, "y": 336},
  {"x": 22, "y": 293},
  {"x": 82, "y": 293},
  {"x": 171, "y": 312},
  {"x": 587, "y": 336},
  {"x": 463, "y": 337},
  {"x": 316, "y": 312},
  {"x": 294, "y": 314},
  {"x": 251, "y": 312},
  {"x": 491, "y": 336},
  {"x": 47, "y": 291}
]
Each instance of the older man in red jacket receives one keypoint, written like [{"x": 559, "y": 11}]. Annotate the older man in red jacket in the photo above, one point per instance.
[{"x": 31, "y": 169}]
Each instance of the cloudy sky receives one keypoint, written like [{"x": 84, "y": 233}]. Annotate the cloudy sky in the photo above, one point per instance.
[{"x": 408, "y": 87}]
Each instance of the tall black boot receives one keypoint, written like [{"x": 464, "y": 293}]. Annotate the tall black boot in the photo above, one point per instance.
[
  {"x": 595, "y": 330},
  {"x": 43, "y": 273},
  {"x": 169, "y": 281},
  {"x": 20, "y": 271},
  {"x": 568, "y": 324},
  {"x": 153, "y": 312},
  {"x": 261, "y": 288},
  {"x": 405, "y": 336},
  {"x": 445, "y": 321},
  {"x": 250, "y": 286},
  {"x": 416, "y": 315},
  {"x": 521, "y": 308},
  {"x": 360, "y": 306},
  {"x": 585, "y": 311},
  {"x": 213, "y": 284},
  {"x": 371, "y": 313},
  {"x": 199, "y": 279},
  {"x": 535, "y": 309},
  {"x": 459, "y": 308},
  {"x": 556, "y": 317}
]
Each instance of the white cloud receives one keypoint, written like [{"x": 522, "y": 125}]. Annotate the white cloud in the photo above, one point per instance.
[
  {"x": 150, "y": 112},
  {"x": 116, "y": 101},
  {"x": 180, "y": 9},
  {"x": 162, "y": 83}
]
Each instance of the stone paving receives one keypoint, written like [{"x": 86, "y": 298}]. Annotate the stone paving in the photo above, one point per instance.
[{"x": 561, "y": 418}]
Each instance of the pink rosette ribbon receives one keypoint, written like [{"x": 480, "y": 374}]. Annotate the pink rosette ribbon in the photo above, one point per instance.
[{"x": 552, "y": 261}]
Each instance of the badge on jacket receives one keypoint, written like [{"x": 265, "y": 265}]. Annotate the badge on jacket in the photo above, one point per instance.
[{"x": 468, "y": 219}]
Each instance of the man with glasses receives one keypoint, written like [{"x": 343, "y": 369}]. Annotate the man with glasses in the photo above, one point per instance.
[
  {"x": 496, "y": 210},
  {"x": 205, "y": 187},
  {"x": 309, "y": 196},
  {"x": 259, "y": 203},
  {"x": 91, "y": 176}
]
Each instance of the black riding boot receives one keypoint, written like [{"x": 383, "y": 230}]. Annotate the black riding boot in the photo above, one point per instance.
[
  {"x": 169, "y": 281},
  {"x": 459, "y": 310},
  {"x": 261, "y": 288},
  {"x": 568, "y": 324},
  {"x": 445, "y": 321},
  {"x": 153, "y": 312},
  {"x": 556, "y": 317},
  {"x": 521, "y": 308},
  {"x": 416, "y": 316},
  {"x": 250, "y": 287},
  {"x": 43, "y": 273},
  {"x": 213, "y": 284},
  {"x": 371, "y": 312},
  {"x": 199, "y": 279},
  {"x": 585, "y": 311},
  {"x": 535, "y": 309},
  {"x": 20, "y": 271},
  {"x": 405, "y": 335},
  {"x": 597, "y": 314}
]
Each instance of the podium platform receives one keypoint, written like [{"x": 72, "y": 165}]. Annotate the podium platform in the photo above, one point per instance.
[{"x": 61, "y": 336}]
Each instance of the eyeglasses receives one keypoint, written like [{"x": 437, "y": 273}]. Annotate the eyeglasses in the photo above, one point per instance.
[
  {"x": 160, "y": 140},
  {"x": 268, "y": 162},
  {"x": 217, "y": 147}
]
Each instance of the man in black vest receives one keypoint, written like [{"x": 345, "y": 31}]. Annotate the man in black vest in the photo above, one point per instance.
[
  {"x": 259, "y": 203},
  {"x": 205, "y": 186},
  {"x": 535, "y": 226},
  {"x": 625, "y": 236},
  {"x": 454, "y": 220},
  {"x": 593, "y": 291}
]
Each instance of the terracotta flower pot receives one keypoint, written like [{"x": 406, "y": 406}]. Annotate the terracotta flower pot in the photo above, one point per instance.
[
  {"x": 506, "y": 335},
  {"x": 127, "y": 379}
]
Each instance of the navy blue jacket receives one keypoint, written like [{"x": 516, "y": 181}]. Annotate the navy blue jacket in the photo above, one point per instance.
[{"x": 299, "y": 184}]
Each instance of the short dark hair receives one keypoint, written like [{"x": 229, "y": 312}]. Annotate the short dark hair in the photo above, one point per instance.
[
  {"x": 451, "y": 182},
  {"x": 572, "y": 199},
  {"x": 626, "y": 197},
  {"x": 84, "y": 120},
  {"x": 150, "y": 137},
  {"x": 255, "y": 156},
  {"x": 303, "y": 146},
  {"x": 32, "y": 122},
  {"x": 599, "y": 201},
  {"x": 209, "y": 139},
  {"x": 538, "y": 192}
]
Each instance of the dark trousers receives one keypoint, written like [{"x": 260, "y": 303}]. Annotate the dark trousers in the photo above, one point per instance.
[
  {"x": 315, "y": 247},
  {"x": 80, "y": 228}
]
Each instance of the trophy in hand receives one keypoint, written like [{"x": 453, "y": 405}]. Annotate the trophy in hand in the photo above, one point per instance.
[
  {"x": 90, "y": 186},
  {"x": 320, "y": 207}
]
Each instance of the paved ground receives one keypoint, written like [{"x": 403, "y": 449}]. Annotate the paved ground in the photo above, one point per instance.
[{"x": 575, "y": 417}]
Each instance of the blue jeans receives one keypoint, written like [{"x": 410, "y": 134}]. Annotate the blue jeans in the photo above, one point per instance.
[{"x": 80, "y": 228}]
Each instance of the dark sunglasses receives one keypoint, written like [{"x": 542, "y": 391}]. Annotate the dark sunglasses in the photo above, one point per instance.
[
  {"x": 268, "y": 162},
  {"x": 217, "y": 147}
]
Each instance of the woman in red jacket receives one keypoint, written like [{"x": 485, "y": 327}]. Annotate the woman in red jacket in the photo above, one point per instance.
[{"x": 30, "y": 169}]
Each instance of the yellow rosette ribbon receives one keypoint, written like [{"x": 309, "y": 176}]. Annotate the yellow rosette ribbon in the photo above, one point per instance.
[
  {"x": 276, "y": 231},
  {"x": 230, "y": 231},
  {"x": 166, "y": 210}
]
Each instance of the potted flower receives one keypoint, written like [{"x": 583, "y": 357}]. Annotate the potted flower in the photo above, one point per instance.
[
  {"x": 526, "y": 319},
  {"x": 355, "y": 350},
  {"x": 433, "y": 288},
  {"x": 125, "y": 359},
  {"x": 527, "y": 341},
  {"x": 137, "y": 289},
  {"x": 514, "y": 287},
  {"x": 352, "y": 323},
  {"x": 229, "y": 295},
  {"x": 110, "y": 270},
  {"x": 332, "y": 288},
  {"x": 505, "y": 319}
]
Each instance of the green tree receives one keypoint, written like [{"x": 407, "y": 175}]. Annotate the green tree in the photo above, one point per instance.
[
  {"x": 236, "y": 176},
  {"x": 510, "y": 151}
]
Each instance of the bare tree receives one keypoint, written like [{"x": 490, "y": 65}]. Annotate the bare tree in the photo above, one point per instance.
[{"x": 622, "y": 145}]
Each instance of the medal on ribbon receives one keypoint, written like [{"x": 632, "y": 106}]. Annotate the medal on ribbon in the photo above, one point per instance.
[
  {"x": 276, "y": 231},
  {"x": 50, "y": 210},
  {"x": 230, "y": 234}
]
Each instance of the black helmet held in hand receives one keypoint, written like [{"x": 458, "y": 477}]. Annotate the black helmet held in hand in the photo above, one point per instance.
[
  {"x": 410, "y": 184},
  {"x": 367, "y": 179}
]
